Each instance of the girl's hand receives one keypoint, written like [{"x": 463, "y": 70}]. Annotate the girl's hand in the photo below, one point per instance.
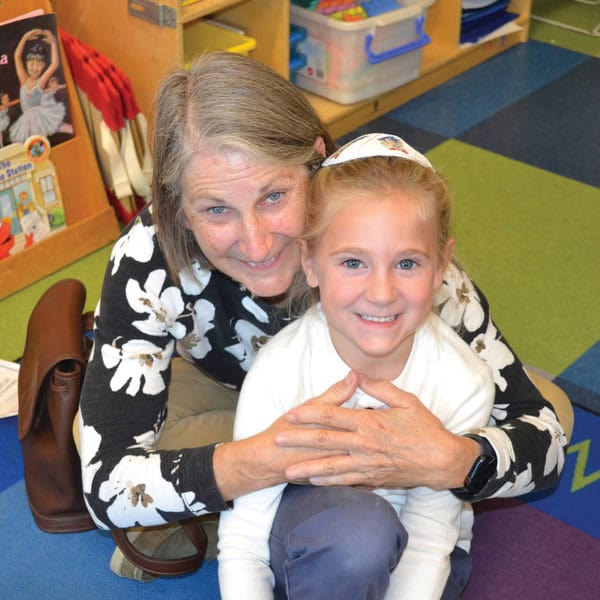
[
  {"x": 33, "y": 33},
  {"x": 400, "y": 447},
  {"x": 48, "y": 36},
  {"x": 257, "y": 462}
]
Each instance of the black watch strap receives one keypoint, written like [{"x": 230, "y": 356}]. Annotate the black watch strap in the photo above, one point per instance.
[{"x": 481, "y": 471}]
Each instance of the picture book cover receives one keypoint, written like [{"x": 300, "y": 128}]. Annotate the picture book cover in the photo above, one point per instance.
[
  {"x": 33, "y": 95},
  {"x": 31, "y": 206}
]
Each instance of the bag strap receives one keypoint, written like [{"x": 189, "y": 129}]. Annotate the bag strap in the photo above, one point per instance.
[
  {"x": 54, "y": 335},
  {"x": 165, "y": 566}
]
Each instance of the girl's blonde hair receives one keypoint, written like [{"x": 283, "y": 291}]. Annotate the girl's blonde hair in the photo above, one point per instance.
[
  {"x": 223, "y": 102},
  {"x": 376, "y": 174}
]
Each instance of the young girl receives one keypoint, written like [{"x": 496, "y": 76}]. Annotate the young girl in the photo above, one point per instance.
[
  {"x": 376, "y": 246},
  {"x": 42, "y": 113}
]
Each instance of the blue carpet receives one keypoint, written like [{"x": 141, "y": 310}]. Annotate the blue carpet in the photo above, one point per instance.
[
  {"x": 539, "y": 129},
  {"x": 479, "y": 93},
  {"x": 55, "y": 566}
]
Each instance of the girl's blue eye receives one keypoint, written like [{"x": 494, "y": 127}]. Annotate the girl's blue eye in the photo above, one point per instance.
[
  {"x": 407, "y": 264},
  {"x": 352, "y": 263}
]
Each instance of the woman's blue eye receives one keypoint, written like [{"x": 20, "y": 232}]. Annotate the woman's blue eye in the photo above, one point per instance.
[
  {"x": 274, "y": 197},
  {"x": 352, "y": 263},
  {"x": 407, "y": 264},
  {"x": 216, "y": 210}
]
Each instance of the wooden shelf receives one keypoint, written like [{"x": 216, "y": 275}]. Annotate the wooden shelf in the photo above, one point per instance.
[
  {"x": 109, "y": 27},
  {"x": 91, "y": 222}
]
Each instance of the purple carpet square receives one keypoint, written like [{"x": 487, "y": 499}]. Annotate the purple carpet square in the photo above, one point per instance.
[{"x": 521, "y": 552}]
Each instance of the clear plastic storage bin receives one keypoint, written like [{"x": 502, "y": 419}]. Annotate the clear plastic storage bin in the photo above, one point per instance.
[{"x": 352, "y": 61}]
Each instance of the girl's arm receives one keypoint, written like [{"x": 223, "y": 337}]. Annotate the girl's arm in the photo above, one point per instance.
[
  {"x": 19, "y": 65},
  {"x": 54, "y": 59}
]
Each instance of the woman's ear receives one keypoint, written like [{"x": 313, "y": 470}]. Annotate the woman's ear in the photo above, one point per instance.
[
  {"x": 445, "y": 258},
  {"x": 308, "y": 265},
  {"x": 319, "y": 146}
]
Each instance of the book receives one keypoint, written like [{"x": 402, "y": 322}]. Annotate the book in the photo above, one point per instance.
[
  {"x": 33, "y": 98},
  {"x": 31, "y": 206}
]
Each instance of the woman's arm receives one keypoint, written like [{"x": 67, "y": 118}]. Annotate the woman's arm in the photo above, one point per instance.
[
  {"x": 127, "y": 481},
  {"x": 123, "y": 403},
  {"x": 407, "y": 446}
]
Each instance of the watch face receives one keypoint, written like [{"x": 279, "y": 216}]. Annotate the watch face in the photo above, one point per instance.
[{"x": 481, "y": 472}]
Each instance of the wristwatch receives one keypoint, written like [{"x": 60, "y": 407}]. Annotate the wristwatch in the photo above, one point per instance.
[{"x": 480, "y": 473}]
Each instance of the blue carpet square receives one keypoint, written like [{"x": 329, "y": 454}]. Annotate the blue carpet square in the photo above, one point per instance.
[
  {"x": 585, "y": 371},
  {"x": 473, "y": 96},
  {"x": 10, "y": 450},
  {"x": 55, "y": 566},
  {"x": 580, "y": 482},
  {"x": 539, "y": 129}
]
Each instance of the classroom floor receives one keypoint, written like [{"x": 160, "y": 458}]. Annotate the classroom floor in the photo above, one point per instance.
[{"x": 518, "y": 139}]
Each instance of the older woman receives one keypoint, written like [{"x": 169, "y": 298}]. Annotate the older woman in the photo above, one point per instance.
[{"x": 196, "y": 285}]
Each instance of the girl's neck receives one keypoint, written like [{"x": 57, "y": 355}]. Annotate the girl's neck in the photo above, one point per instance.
[{"x": 388, "y": 368}]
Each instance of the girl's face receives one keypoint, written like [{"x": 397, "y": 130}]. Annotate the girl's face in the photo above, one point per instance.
[
  {"x": 377, "y": 265},
  {"x": 35, "y": 67},
  {"x": 246, "y": 216}
]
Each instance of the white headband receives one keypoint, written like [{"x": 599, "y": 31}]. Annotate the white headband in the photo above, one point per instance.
[{"x": 376, "y": 144}]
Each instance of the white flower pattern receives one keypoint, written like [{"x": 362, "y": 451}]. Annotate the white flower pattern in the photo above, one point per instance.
[
  {"x": 494, "y": 352},
  {"x": 162, "y": 307},
  {"x": 555, "y": 458},
  {"x": 137, "y": 244},
  {"x": 458, "y": 301},
  {"x": 137, "y": 360},
  {"x": 251, "y": 338}
]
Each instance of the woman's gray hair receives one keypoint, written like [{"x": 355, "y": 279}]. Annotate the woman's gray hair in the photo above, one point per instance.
[{"x": 223, "y": 102}]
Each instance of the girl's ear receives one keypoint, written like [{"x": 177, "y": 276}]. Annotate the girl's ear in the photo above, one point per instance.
[
  {"x": 319, "y": 146},
  {"x": 446, "y": 257},
  {"x": 308, "y": 266}
]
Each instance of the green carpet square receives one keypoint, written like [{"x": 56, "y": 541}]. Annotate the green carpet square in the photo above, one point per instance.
[
  {"x": 531, "y": 240},
  {"x": 15, "y": 310}
]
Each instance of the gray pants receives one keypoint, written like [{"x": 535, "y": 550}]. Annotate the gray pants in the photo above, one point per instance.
[{"x": 341, "y": 542}]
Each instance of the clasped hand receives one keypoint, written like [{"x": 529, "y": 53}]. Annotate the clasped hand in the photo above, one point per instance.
[{"x": 400, "y": 447}]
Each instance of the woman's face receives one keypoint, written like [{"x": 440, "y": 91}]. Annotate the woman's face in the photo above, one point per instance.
[{"x": 246, "y": 216}]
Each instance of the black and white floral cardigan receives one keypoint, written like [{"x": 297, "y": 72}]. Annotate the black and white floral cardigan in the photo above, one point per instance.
[{"x": 143, "y": 317}]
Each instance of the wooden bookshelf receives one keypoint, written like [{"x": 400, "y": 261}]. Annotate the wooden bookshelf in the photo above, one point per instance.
[
  {"x": 91, "y": 222},
  {"x": 146, "y": 50}
]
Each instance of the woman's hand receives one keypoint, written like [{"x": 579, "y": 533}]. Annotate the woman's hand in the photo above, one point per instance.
[
  {"x": 403, "y": 446},
  {"x": 257, "y": 462}
]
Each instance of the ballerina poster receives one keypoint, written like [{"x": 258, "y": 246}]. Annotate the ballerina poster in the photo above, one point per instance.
[{"x": 33, "y": 98}]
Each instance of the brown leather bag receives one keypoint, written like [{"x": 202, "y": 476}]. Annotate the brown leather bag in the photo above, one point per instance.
[{"x": 50, "y": 379}]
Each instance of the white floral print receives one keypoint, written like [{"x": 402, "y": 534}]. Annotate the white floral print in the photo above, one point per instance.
[
  {"x": 254, "y": 309},
  {"x": 195, "y": 285},
  {"x": 203, "y": 314},
  {"x": 494, "y": 352},
  {"x": 162, "y": 307},
  {"x": 136, "y": 497},
  {"x": 251, "y": 338},
  {"x": 458, "y": 300},
  {"x": 555, "y": 458},
  {"x": 139, "y": 364},
  {"x": 138, "y": 244}
]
